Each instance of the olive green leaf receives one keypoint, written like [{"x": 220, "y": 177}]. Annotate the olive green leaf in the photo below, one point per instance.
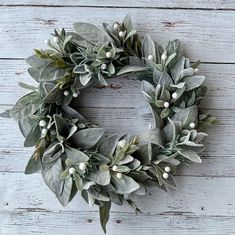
[
  {"x": 62, "y": 127},
  {"x": 104, "y": 214}
]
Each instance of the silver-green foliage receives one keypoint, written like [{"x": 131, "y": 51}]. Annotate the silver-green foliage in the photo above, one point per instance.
[{"x": 73, "y": 154}]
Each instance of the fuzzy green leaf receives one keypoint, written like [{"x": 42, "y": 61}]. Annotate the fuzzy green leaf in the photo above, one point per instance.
[
  {"x": 125, "y": 185},
  {"x": 104, "y": 214},
  {"x": 87, "y": 138},
  {"x": 131, "y": 69},
  {"x": 61, "y": 188},
  {"x": 91, "y": 33}
]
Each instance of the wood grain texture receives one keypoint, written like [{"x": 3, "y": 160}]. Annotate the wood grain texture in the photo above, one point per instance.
[
  {"x": 197, "y": 29},
  {"x": 205, "y": 200},
  {"x": 196, "y": 4},
  {"x": 88, "y": 223},
  {"x": 155, "y": 202}
]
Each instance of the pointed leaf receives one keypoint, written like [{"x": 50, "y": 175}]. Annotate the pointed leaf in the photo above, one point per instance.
[
  {"x": 87, "y": 138},
  {"x": 104, "y": 214},
  {"x": 125, "y": 185}
]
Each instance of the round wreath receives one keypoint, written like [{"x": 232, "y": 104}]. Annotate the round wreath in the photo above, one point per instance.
[{"x": 73, "y": 154}]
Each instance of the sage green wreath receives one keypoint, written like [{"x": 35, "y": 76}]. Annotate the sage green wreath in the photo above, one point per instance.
[{"x": 75, "y": 155}]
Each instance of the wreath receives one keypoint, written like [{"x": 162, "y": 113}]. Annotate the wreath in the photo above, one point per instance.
[{"x": 73, "y": 154}]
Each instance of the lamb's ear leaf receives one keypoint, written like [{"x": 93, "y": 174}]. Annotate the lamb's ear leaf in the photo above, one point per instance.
[
  {"x": 148, "y": 90},
  {"x": 101, "y": 177},
  {"x": 127, "y": 23},
  {"x": 87, "y": 138},
  {"x": 125, "y": 185},
  {"x": 192, "y": 82},
  {"x": 61, "y": 188},
  {"x": 75, "y": 155},
  {"x": 26, "y": 106},
  {"x": 131, "y": 69},
  {"x": 34, "y": 73},
  {"x": 148, "y": 47},
  {"x": 191, "y": 155},
  {"x": 104, "y": 214},
  {"x": 36, "y": 62},
  {"x": 32, "y": 137},
  {"x": 176, "y": 71},
  {"x": 186, "y": 116},
  {"x": 62, "y": 127},
  {"x": 33, "y": 165},
  {"x": 153, "y": 136},
  {"x": 90, "y": 33},
  {"x": 108, "y": 145}
]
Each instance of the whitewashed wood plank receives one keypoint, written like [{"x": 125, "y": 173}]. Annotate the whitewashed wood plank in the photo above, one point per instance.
[
  {"x": 196, "y": 196},
  {"x": 201, "y": 4},
  {"x": 87, "y": 223},
  {"x": 220, "y": 80},
  {"x": 208, "y": 35}
]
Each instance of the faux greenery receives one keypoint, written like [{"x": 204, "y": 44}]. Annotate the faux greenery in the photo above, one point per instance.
[{"x": 74, "y": 155}]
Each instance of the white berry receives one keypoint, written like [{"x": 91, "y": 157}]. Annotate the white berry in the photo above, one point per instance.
[
  {"x": 166, "y": 104},
  {"x": 196, "y": 70},
  {"x": 103, "y": 66},
  {"x": 150, "y": 57},
  {"x": 44, "y": 132},
  {"x": 75, "y": 94},
  {"x": 174, "y": 95},
  {"x": 121, "y": 34},
  {"x": 119, "y": 175},
  {"x": 114, "y": 168},
  {"x": 71, "y": 170},
  {"x": 66, "y": 93},
  {"x": 108, "y": 54},
  {"x": 82, "y": 166},
  {"x": 165, "y": 175},
  {"x": 121, "y": 143},
  {"x": 42, "y": 123},
  {"x": 55, "y": 39},
  {"x": 116, "y": 26},
  {"x": 167, "y": 169},
  {"x": 47, "y": 41},
  {"x": 192, "y": 125},
  {"x": 164, "y": 56}
]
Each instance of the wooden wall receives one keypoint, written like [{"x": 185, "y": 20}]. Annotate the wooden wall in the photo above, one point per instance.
[{"x": 205, "y": 200}]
